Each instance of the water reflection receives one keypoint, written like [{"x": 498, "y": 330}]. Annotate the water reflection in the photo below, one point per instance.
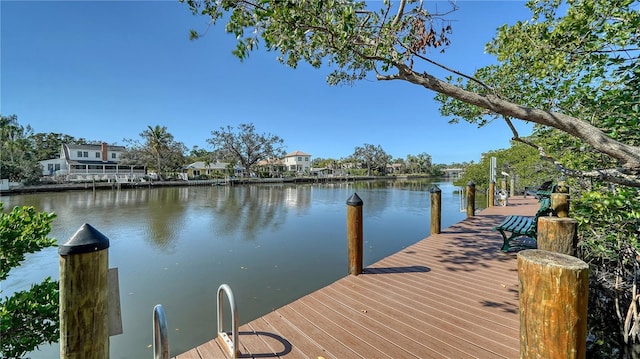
[{"x": 251, "y": 209}]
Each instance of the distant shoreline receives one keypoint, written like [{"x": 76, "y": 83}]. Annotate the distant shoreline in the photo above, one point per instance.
[{"x": 83, "y": 186}]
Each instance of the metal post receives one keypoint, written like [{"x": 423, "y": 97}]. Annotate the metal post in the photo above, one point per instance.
[{"x": 512, "y": 187}]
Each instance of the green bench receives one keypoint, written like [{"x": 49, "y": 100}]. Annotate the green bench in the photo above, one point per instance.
[
  {"x": 542, "y": 191},
  {"x": 522, "y": 226},
  {"x": 545, "y": 193}
]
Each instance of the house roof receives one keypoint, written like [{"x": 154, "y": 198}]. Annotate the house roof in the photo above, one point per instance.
[
  {"x": 274, "y": 161},
  {"x": 296, "y": 153},
  {"x": 201, "y": 165},
  {"x": 93, "y": 147}
]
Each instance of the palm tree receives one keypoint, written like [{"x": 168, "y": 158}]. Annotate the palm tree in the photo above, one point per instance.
[
  {"x": 9, "y": 129},
  {"x": 157, "y": 142}
]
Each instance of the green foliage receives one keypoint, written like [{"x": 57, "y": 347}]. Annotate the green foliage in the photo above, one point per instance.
[
  {"x": 344, "y": 35},
  {"x": 158, "y": 151},
  {"x": 609, "y": 231},
  {"x": 579, "y": 58},
  {"x": 419, "y": 164},
  {"x": 520, "y": 161},
  {"x": 373, "y": 158},
  {"x": 48, "y": 145},
  {"x": 17, "y": 156},
  {"x": 27, "y": 318},
  {"x": 23, "y": 230},
  {"x": 607, "y": 219}
]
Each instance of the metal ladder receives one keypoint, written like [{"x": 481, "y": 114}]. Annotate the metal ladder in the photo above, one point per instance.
[
  {"x": 160, "y": 335},
  {"x": 232, "y": 345}
]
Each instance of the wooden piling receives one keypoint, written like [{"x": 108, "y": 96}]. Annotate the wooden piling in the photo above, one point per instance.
[
  {"x": 471, "y": 199},
  {"x": 84, "y": 321},
  {"x": 436, "y": 209},
  {"x": 560, "y": 204},
  {"x": 553, "y": 290},
  {"x": 354, "y": 234},
  {"x": 492, "y": 194},
  {"x": 557, "y": 234}
]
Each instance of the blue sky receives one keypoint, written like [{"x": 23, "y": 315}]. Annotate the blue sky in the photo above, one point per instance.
[{"x": 104, "y": 71}]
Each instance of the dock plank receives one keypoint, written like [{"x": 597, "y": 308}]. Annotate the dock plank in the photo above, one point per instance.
[{"x": 451, "y": 295}]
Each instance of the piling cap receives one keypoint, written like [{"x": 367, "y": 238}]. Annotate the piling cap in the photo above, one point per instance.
[
  {"x": 354, "y": 200},
  {"x": 435, "y": 189},
  {"x": 86, "y": 240},
  {"x": 471, "y": 184}
]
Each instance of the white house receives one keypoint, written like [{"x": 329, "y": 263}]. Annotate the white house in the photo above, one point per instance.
[
  {"x": 201, "y": 168},
  {"x": 79, "y": 162},
  {"x": 297, "y": 161}
]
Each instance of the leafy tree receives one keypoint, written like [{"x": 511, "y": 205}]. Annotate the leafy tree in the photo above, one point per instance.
[
  {"x": 373, "y": 158},
  {"x": 158, "y": 151},
  {"x": 437, "y": 170},
  {"x": 17, "y": 160},
  {"x": 10, "y": 132},
  {"x": 590, "y": 52},
  {"x": 47, "y": 145},
  {"x": 199, "y": 154},
  {"x": 27, "y": 318},
  {"x": 520, "y": 161},
  {"x": 581, "y": 66},
  {"x": 324, "y": 163},
  {"x": 420, "y": 163},
  {"x": 246, "y": 146}
]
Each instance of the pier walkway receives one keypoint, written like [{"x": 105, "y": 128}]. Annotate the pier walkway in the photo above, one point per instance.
[{"x": 451, "y": 295}]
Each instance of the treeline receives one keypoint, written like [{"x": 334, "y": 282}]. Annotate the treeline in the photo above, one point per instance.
[{"x": 157, "y": 149}]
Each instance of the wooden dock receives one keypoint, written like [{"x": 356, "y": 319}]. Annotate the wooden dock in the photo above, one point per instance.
[{"x": 451, "y": 295}]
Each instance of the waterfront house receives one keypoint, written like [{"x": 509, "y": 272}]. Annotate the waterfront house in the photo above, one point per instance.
[
  {"x": 272, "y": 167},
  {"x": 453, "y": 172},
  {"x": 211, "y": 169},
  {"x": 90, "y": 162},
  {"x": 298, "y": 162}
]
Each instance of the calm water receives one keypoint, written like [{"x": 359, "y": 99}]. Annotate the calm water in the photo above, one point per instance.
[{"x": 271, "y": 243}]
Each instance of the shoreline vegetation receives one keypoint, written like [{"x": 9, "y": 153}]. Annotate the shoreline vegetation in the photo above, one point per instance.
[{"x": 102, "y": 185}]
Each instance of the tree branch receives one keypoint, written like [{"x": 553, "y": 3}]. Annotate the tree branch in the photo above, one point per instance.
[
  {"x": 399, "y": 14},
  {"x": 612, "y": 175},
  {"x": 468, "y": 77},
  {"x": 629, "y": 156}
]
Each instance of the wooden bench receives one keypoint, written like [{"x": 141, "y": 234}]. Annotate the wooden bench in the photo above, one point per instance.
[{"x": 520, "y": 226}]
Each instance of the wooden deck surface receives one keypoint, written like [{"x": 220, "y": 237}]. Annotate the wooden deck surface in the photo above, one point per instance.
[{"x": 451, "y": 295}]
